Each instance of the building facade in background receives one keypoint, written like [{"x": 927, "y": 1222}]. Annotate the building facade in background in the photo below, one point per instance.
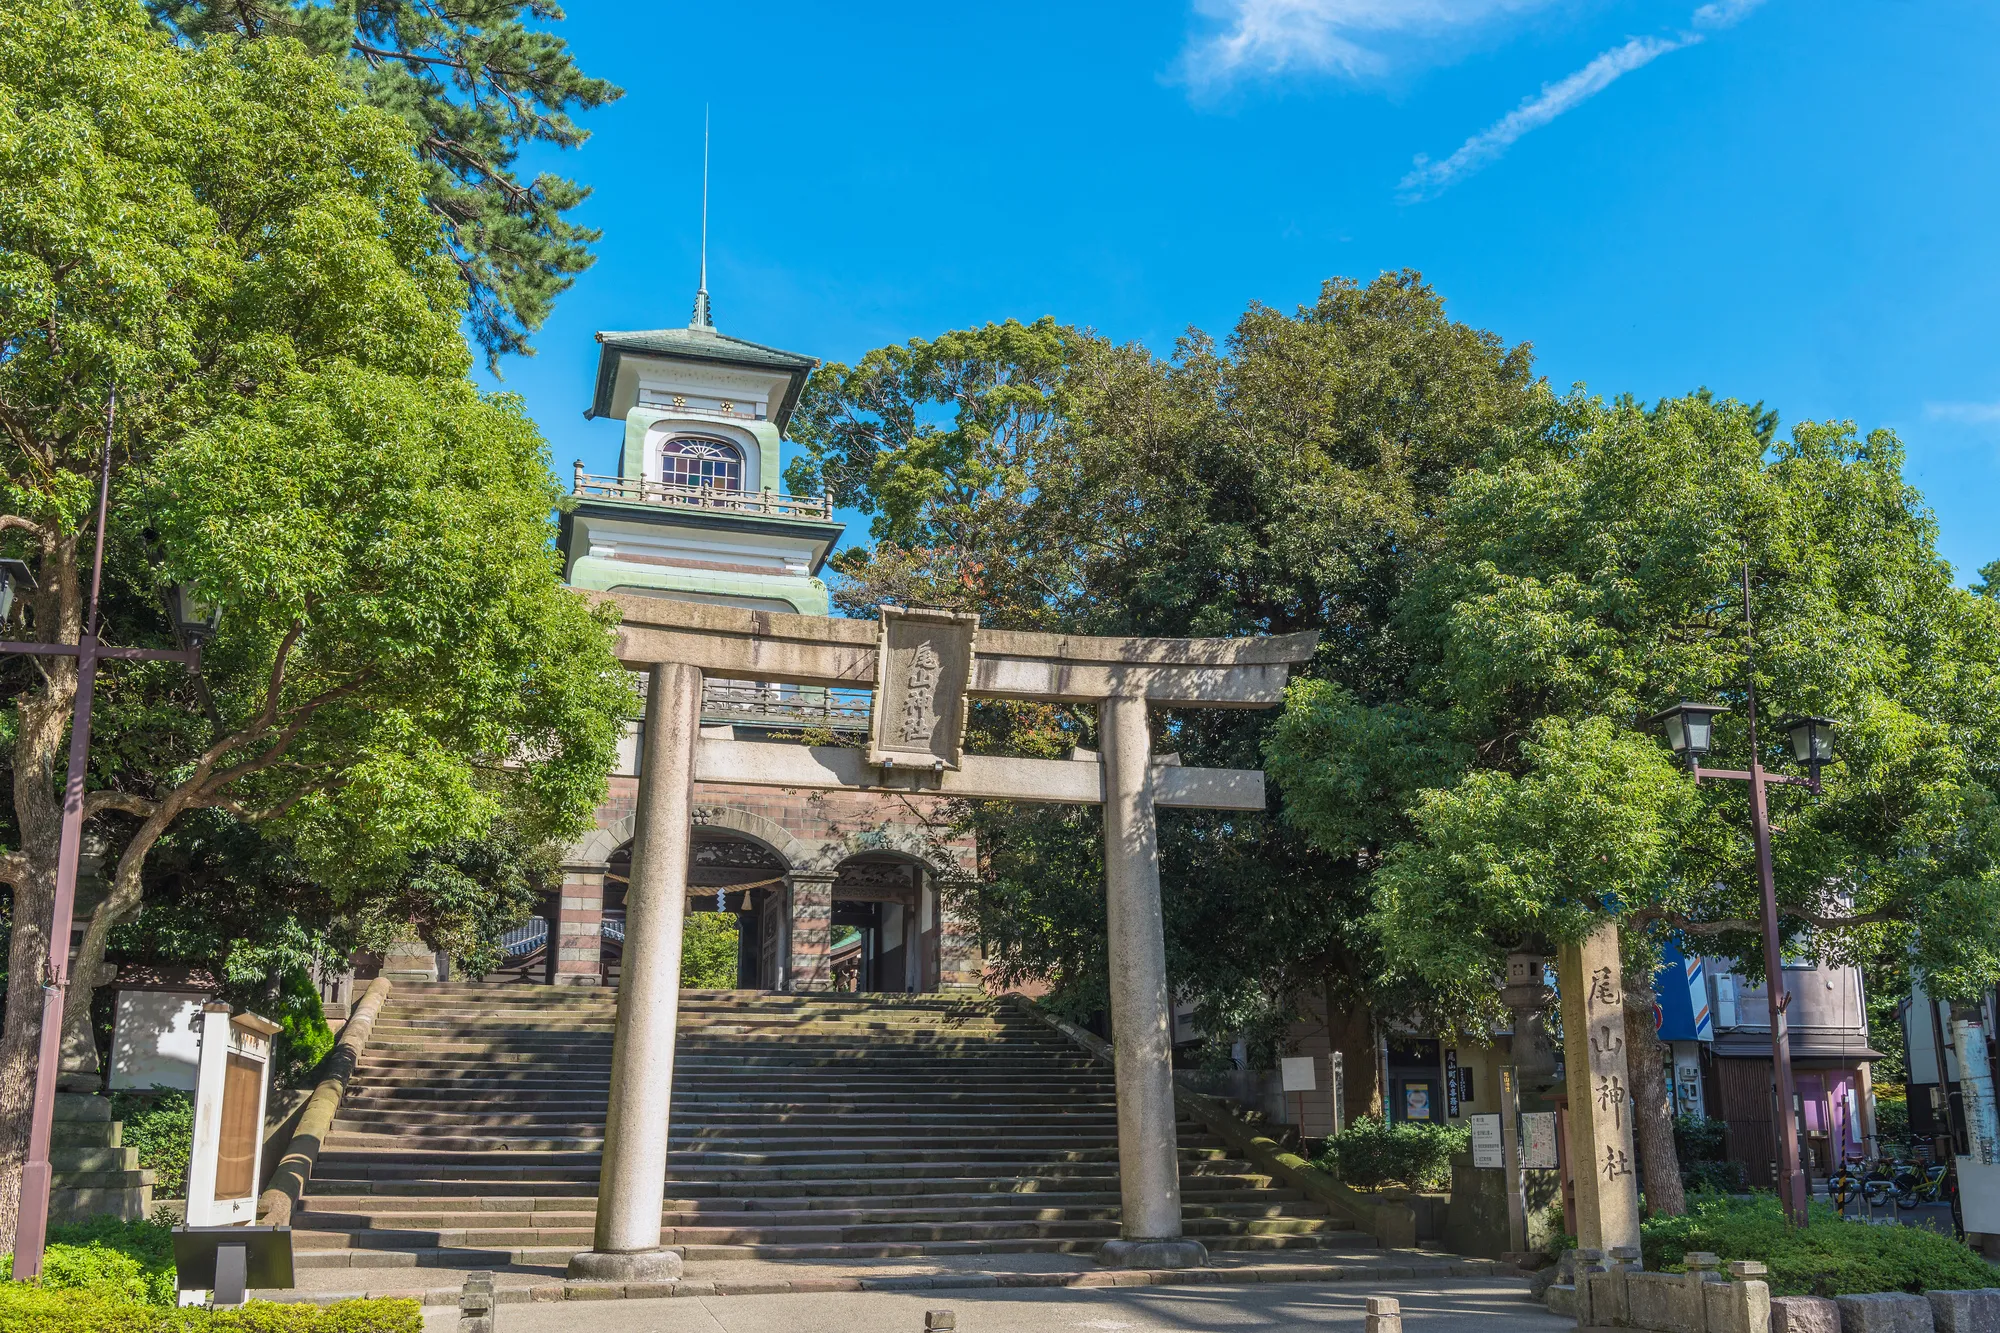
[{"x": 696, "y": 512}]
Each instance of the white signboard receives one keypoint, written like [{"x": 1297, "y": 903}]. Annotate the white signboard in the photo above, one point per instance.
[
  {"x": 1298, "y": 1073},
  {"x": 1979, "y": 1194},
  {"x": 1538, "y": 1140},
  {"x": 231, "y": 1087},
  {"x": 1486, "y": 1147},
  {"x": 156, "y": 1039}
]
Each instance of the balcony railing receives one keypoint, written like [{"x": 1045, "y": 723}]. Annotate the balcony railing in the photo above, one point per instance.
[
  {"x": 680, "y": 496},
  {"x": 792, "y": 707}
]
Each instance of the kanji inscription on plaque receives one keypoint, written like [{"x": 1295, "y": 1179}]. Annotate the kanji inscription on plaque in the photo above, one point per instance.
[{"x": 924, "y": 663}]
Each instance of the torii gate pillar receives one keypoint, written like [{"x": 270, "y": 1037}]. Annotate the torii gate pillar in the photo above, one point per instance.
[
  {"x": 1142, "y": 1032},
  {"x": 923, "y": 665}
]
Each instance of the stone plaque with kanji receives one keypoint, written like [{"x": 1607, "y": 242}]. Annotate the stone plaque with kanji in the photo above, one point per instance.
[{"x": 923, "y": 666}]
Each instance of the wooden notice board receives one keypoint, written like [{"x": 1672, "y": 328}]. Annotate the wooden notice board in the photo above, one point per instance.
[{"x": 242, "y": 1099}]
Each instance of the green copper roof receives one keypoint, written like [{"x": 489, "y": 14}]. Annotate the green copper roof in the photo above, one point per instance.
[{"x": 698, "y": 344}]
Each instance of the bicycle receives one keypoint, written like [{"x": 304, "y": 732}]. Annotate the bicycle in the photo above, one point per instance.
[
  {"x": 1921, "y": 1183},
  {"x": 1873, "y": 1179}
]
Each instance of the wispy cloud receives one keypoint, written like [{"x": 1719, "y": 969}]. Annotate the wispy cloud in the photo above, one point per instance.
[
  {"x": 1970, "y": 414},
  {"x": 1428, "y": 179},
  {"x": 1351, "y": 38},
  {"x": 1724, "y": 13}
]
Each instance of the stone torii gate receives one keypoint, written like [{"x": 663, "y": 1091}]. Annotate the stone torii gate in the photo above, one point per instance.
[{"x": 923, "y": 666}]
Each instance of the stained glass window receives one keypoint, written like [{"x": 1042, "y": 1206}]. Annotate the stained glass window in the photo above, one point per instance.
[{"x": 690, "y": 461}]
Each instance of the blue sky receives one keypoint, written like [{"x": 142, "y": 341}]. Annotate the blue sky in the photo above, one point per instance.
[{"x": 1786, "y": 200}]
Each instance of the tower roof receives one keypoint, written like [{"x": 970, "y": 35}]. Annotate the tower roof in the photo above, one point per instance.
[{"x": 701, "y": 345}]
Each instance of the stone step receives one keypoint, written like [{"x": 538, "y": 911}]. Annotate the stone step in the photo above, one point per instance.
[
  {"x": 951, "y": 1209},
  {"x": 507, "y": 1182},
  {"x": 803, "y": 1127},
  {"x": 770, "y": 1122},
  {"x": 559, "y": 1255},
  {"x": 854, "y": 1194},
  {"x": 579, "y": 1237}
]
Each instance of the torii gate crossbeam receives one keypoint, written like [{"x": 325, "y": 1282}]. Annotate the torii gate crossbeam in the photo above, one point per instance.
[{"x": 676, "y": 643}]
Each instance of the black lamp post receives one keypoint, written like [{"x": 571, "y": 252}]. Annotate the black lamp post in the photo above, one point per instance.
[
  {"x": 1690, "y": 729},
  {"x": 32, "y": 1217}
]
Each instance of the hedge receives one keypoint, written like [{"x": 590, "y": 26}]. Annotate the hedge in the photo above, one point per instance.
[
  {"x": 109, "y": 1260},
  {"x": 1369, "y": 1153},
  {"x": 1829, "y": 1257},
  {"x": 30, "y": 1309}
]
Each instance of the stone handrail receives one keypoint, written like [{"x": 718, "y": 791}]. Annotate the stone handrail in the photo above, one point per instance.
[
  {"x": 1394, "y": 1225},
  {"x": 288, "y": 1182}
]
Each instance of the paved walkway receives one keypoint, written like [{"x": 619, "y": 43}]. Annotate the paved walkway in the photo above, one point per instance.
[
  {"x": 1477, "y": 1306},
  {"x": 942, "y": 1274}
]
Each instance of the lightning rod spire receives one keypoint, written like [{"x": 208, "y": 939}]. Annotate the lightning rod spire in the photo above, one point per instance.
[{"x": 701, "y": 318}]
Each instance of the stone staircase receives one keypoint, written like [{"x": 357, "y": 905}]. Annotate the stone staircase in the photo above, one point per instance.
[
  {"x": 93, "y": 1172},
  {"x": 825, "y": 1127}
]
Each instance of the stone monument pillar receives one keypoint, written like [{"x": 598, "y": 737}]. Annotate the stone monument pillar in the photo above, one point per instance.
[
  {"x": 1149, "y": 1182},
  {"x": 811, "y": 933},
  {"x": 409, "y": 961},
  {"x": 632, "y": 1180},
  {"x": 1590, "y": 979}
]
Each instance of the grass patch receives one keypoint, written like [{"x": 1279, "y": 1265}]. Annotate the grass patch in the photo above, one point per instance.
[
  {"x": 1829, "y": 1257},
  {"x": 108, "y": 1276}
]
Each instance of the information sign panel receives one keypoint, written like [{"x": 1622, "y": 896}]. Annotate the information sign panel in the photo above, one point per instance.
[
  {"x": 1486, "y": 1145},
  {"x": 1538, "y": 1140}
]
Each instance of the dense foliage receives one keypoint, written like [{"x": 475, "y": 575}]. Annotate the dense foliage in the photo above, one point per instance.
[
  {"x": 1828, "y": 1257},
  {"x": 1588, "y": 575},
  {"x": 1372, "y": 1152},
  {"x": 1052, "y": 480},
  {"x": 32, "y": 1309},
  {"x": 708, "y": 951},
  {"x": 475, "y": 83},
  {"x": 108, "y": 1276},
  {"x": 109, "y": 1260},
  {"x": 160, "y": 1125},
  {"x": 1701, "y": 1147},
  {"x": 235, "y": 242}
]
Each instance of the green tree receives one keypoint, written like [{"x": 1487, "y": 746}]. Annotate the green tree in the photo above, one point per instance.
[
  {"x": 708, "y": 951},
  {"x": 1052, "y": 480},
  {"x": 241, "y": 249},
  {"x": 1587, "y": 575},
  {"x": 475, "y": 82}
]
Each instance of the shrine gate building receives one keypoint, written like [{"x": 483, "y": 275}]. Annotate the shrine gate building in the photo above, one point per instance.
[{"x": 695, "y": 513}]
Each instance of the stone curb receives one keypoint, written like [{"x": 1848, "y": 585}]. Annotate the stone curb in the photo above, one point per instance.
[
  {"x": 1130, "y": 1277},
  {"x": 288, "y": 1182}
]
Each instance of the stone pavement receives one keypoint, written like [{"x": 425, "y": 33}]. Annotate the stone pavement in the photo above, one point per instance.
[
  {"x": 1487, "y": 1305},
  {"x": 942, "y": 1273}
]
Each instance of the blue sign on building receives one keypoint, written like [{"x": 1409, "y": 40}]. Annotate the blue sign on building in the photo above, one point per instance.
[{"x": 1682, "y": 987}]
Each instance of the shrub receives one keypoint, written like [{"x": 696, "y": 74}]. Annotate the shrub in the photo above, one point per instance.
[
  {"x": 1371, "y": 1152},
  {"x": 708, "y": 951},
  {"x": 1892, "y": 1117},
  {"x": 160, "y": 1125},
  {"x": 1829, "y": 1257},
  {"x": 109, "y": 1260},
  {"x": 26, "y": 1309}
]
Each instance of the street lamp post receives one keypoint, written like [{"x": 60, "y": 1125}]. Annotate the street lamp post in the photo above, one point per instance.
[
  {"x": 1690, "y": 729},
  {"x": 32, "y": 1216}
]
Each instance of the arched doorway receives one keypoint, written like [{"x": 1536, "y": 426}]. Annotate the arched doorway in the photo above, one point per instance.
[
  {"x": 736, "y": 886},
  {"x": 885, "y": 925}
]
